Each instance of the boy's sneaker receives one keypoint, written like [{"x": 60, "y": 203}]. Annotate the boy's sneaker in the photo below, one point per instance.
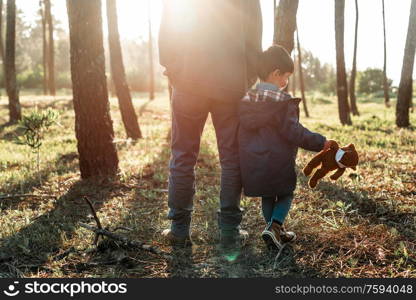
[
  {"x": 287, "y": 236},
  {"x": 174, "y": 240},
  {"x": 275, "y": 236}
]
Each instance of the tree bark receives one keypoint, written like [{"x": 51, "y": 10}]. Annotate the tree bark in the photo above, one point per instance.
[
  {"x": 353, "y": 100},
  {"x": 50, "y": 50},
  {"x": 274, "y": 12},
  {"x": 2, "y": 43},
  {"x": 285, "y": 24},
  {"x": 342, "y": 88},
  {"x": 1, "y": 33},
  {"x": 385, "y": 83},
  {"x": 93, "y": 124},
  {"x": 151, "y": 64},
  {"x": 301, "y": 81},
  {"x": 128, "y": 114},
  {"x": 15, "y": 111},
  {"x": 406, "y": 82},
  {"x": 293, "y": 79},
  {"x": 44, "y": 47}
]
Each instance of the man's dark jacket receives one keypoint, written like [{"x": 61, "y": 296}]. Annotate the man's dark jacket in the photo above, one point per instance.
[
  {"x": 210, "y": 47},
  {"x": 269, "y": 136}
]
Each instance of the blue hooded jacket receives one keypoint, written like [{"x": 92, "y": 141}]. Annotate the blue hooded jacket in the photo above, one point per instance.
[{"x": 269, "y": 136}]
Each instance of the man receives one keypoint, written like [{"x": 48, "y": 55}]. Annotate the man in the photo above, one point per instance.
[{"x": 209, "y": 49}]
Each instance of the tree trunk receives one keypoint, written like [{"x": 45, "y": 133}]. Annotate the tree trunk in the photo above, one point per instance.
[
  {"x": 15, "y": 111},
  {"x": 285, "y": 24},
  {"x": 302, "y": 84},
  {"x": 128, "y": 114},
  {"x": 353, "y": 99},
  {"x": 342, "y": 89},
  {"x": 274, "y": 12},
  {"x": 1, "y": 42},
  {"x": 406, "y": 82},
  {"x": 1, "y": 33},
  {"x": 51, "y": 52},
  {"x": 385, "y": 83},
  {"x": 93, "y": 124},
  {"x": 44, "y": 47},
  {"x": 151, "y": 64},
  {"x": 293, "y": 79}
]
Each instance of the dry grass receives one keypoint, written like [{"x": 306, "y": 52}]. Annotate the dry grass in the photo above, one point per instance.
[{"x": 363, "y": 225}]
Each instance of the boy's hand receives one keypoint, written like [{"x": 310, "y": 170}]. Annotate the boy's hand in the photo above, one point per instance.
[{"x": 328, "y": 144}]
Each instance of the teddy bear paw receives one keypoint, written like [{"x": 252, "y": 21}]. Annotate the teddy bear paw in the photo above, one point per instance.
[{"x": 307, "y": 171}]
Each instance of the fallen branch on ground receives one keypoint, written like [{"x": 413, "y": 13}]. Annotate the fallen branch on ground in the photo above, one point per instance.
[
  {"x": 97, "y": 220},
  {"x": 99, "y": 231},
  {"x": 64, "y": 254},
  {"x": 126, "y": 242}
]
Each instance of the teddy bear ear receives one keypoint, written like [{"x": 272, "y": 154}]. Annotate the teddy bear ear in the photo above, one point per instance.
[{"x": 351, "y": 146}]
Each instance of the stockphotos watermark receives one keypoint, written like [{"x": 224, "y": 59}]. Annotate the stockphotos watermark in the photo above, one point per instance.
[{"x": 70, "y": 289}]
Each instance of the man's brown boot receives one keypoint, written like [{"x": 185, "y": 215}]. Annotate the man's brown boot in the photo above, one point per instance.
[{"x": 176, "y": 241}]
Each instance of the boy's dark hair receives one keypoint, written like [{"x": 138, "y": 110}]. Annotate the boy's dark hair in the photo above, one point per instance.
[{"x": 276, "y": 57}]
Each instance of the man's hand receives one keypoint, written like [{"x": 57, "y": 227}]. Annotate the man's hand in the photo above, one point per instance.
[{"x": 330, "y": 144}]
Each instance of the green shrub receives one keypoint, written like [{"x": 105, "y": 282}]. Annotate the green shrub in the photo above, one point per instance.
[{"x": 34, "y": 127}]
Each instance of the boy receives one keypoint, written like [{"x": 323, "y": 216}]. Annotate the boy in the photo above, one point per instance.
[{"x": 269, "y": 136}]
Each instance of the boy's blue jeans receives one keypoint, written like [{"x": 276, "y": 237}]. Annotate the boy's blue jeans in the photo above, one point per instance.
[
  {"x": 276, "y": 208},
  {"x": 189, "y": 114}
]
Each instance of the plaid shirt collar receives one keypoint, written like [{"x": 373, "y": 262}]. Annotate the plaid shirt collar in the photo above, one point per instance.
[{"x": 266, "y": 92}]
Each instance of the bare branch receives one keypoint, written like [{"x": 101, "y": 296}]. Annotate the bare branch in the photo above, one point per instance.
[{"x": 128, "y": 243}]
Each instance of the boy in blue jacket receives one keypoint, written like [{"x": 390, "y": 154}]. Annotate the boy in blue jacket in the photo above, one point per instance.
[{"x": 269, "y": 136}]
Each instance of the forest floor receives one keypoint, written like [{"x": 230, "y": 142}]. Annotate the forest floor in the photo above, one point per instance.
[{"x": 363, "y": 225}]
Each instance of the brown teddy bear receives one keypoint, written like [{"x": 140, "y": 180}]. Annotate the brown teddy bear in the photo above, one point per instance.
[{"x": 335, "y": 158}]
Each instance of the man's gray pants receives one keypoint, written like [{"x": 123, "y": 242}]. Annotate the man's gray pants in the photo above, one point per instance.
[{"x": 189, "y": 114}]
